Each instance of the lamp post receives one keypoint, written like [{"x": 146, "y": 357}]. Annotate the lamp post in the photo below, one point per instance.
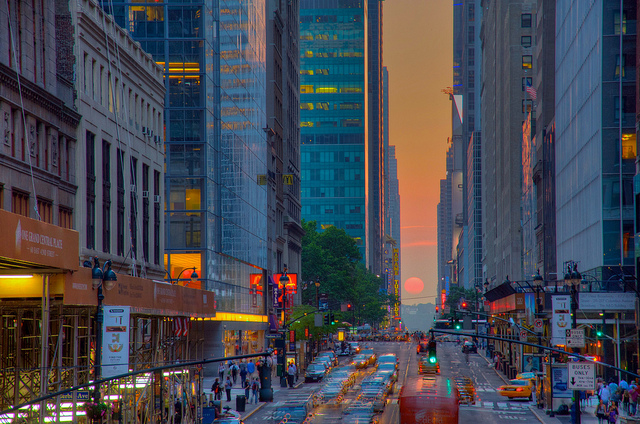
[
  {"x": 194, "y": 275},
  {"x": 284, "y": 279},
  {"x": 574, "y": 278},
  {"x": 100, "y": 277},
  {"x": 317, "y": 292}
]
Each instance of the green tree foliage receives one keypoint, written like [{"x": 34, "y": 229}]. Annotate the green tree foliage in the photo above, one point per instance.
[
  {"x": 456, "y": 293},
  {"x": 332, "y": 257}
]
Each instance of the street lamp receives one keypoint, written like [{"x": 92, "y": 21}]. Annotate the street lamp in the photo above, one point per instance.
[
  {"x": 317, "y": 292},
  {"x": 194, "y": 276},
  {"x": 100, "y": 277},
  {"x": 574, "y": 278}
]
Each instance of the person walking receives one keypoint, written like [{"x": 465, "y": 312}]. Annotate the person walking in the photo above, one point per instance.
[
  {"x": 601, "y": 412},
  {"x": 228, "y": 384},
  {"x": 221, "y": 371},
  {"x": 604, "y": 394},
  {"x": 633, "y": 400},
  {"x": 247, "y": 388},
  {"x": 255, "y": 386},
  {"x": 613, "y": 413},
  {"x": 215, "y": 388},
  {"x": 234, "y": 372},
  {"x": 243, "y": 374},
  {"x": 291, "y": 372},
  {"x": 251, "y": 368}
]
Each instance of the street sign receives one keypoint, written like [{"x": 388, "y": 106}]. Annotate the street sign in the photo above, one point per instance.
[
  {"x": 582, "y": 376},
  {"x": 274, "y": 336},
  {"x": 81, "y": 396},
  {"x": 523, "y": 336},
  {"x": 575, "y": 337},
  {"x": 538, "y": 325}
]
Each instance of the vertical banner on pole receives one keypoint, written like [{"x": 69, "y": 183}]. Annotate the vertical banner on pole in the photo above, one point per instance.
[
  {"x": 560, "y": 319},
  {"x": 115, "y": 341}
]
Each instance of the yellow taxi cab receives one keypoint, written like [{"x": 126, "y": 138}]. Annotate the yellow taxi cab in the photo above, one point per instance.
[{"x": 517, "y": 388}]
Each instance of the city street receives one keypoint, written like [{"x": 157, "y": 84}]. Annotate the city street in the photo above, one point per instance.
[{"x": 489, "y": 407}]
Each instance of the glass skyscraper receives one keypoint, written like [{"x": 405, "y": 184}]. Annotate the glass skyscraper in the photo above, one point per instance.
[
  {"x": 214, "y": 57},
  {"x": 333, "y": 115}
]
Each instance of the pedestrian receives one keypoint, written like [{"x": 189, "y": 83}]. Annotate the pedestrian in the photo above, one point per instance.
[
  {"x": 291, "y": 372},
  {"x": 601, "y": 412},
  {"x": 234, "y": 372},
  {"x": 613, "y": 413},
  {"x": 247, "y": 388},
  {"x": 255, "y": 386},
  {"x": 625, "y": 401},
  {"x": 228, "y": 384},
  {"x": 243, "y": 374},
  {"x": 251, "y": 368},
  {"x": 633, "y": 400},
  {"x": 215, "y": 388},
  {"x": 604, "y": 394},
  {"x": 221, "y": 371}
]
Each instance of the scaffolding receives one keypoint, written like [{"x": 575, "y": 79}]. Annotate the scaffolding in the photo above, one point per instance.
[{"x": 46, "y": 347}]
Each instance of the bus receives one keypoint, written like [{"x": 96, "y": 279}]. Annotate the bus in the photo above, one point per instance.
[{"x": 429, "y": 400}]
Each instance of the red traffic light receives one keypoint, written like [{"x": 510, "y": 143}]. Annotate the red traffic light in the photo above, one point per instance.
[
  {"x": 436, "y": 309},
  {"x": 464, "y": 304}
]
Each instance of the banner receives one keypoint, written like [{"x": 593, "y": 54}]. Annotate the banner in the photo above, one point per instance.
[
  {"x": 115, "y": 341},
  {"x": 560, "y": 319}
]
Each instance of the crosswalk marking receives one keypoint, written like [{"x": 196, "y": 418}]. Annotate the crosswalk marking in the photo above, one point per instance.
[{"x": 514, "y": 408}]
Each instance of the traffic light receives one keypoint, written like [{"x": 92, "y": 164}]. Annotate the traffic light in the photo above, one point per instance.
[
  {"x": 457, "y": 324},
  {"x": 431, "y": 352},
  {"x": 464, "y": 304},
  {"x": 349, "y": 307},
  {"x": 436, "y": 309},
  {"x": 327, "y": 318},
  {"x": 332, "y": 319},
  {"x": 599, "y": 333}
]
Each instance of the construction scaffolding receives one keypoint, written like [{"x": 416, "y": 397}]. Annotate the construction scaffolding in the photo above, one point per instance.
[{"x": 46, "y": 347}]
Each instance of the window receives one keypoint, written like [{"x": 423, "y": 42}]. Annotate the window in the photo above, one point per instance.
[
  {"x": 20, "y": 202},
  {"x": 529, "y": 105},
  {"x": 120, "y": 203},
  {"x": 306, "y": 89},
  {"x": 525, "y": 20},
  {"x": 471, "y": 13},
  {"x": 471, "y": 34},
  {"x": 526, "y": 81},
  {"x": 617, "y": 72},
  {"x": 45, "y": 210},
  {"x": 65, "y": 217},
  {"x": 616, "y": 23},
  {"x": 471, "y": 57},
  {"x": 106, "y": 196},
  {"x": 133, "y": 215},
  {"x": 145, "y": 212},
  {"x": 156, "y": 218},
  {"x": 525, "y": 41},
  {"x": 90, "y": 161},
  {"x": 527, "y": 61}
]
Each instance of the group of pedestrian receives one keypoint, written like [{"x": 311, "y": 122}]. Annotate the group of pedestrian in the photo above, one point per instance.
[
  {"x": 611, "y": 395},
  {"x": 232, "y": 370}
]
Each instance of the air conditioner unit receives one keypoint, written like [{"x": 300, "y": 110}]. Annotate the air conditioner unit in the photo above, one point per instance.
[
  {"x": 145, "y": 194},
  {"x": 144, "y": 130},
  {"x": 157, "y": 198},
  {"x": 150, "y": 133},
  {"x": 156, "y": 138}
]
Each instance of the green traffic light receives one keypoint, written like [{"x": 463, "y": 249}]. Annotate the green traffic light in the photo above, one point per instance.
[
  {"x": 457, "y": 326},
  {"x": 599, "y": 333},
  {"x": 433, "y": 359}
]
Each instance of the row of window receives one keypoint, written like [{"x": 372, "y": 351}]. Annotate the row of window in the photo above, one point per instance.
[
  {"x": 332, "y": 174},
  {"x": 48, "y": 149},
  {"x": 337, "y": 34},
  {"x": 150, "y": 196},
  {"x": 357, "y": 138},
  {"x": 333, "y": 192},
  {"x": 331, "y": 106},
  {"x": 21, "y": 205},
  {"x": 329, "y": 19},
  {"x": 332, "y": 210},
  {"x": 344, "y": 123},
  {"x": 327, "y": 89},
  {"x": 110, "y": 91},
  {"x": 332, "y": 53},
  {"x": 325, "y": 157}
]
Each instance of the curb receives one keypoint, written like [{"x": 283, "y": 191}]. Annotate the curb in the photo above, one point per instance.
[
  {"x": 537, "y": 415},
  {"x": 499, "y": 375},
  {"x": 259, "y": 407}
]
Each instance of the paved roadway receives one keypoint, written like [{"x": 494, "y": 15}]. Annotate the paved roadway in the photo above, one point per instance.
[{"x": 489, "y": 407}]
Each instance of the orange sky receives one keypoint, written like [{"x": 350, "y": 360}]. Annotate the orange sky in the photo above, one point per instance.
[{"x": 418, "y": 44}]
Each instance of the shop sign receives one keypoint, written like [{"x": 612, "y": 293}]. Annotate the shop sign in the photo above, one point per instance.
[
  {"x": 396, "y": 282},
  {"x": 115, "y": 341},
  {"x": 606, "y": 302},
  {"x": 560, "y": 319},
  {"x": 37, "y": 242}
]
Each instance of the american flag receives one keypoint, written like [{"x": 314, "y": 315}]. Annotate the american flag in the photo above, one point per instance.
[{"x": 532, "y": 92}]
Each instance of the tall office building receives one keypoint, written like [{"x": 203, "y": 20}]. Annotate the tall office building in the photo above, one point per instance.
[
  {"x": 595, "y": 136},
  {"x": 507, "y": 63},
  {"x": 334, "y": 113},
  {"x": 214, "y": 59},
  {"x": 283, "y": 135}
]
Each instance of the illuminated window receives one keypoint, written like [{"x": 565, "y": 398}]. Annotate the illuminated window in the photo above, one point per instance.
[
  {"x": 351, "y": 123},
  {"x": 351, "y": 90},
  {"x": 322, "y": 71},
  {"x": 616, "y": 23},
  {"x": 326, "y": 90},
  {"x": 306, "y": 71},
  {"x": 350, "y": 106},
  {"x": 306, "y": 89},
  {"x": 617, "y": 73},
  {"x": 527, "y": 61},
  {"x": 305, "y": 124},
  {"x": 308, "y": 53},
  {"x": 322, "y": 105},
  {"x": 306, "y": 106},
  {"x": 629, "y": 146}
]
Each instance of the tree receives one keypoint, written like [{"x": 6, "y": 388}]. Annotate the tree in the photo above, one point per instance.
[{"x": 332, "y": 257}]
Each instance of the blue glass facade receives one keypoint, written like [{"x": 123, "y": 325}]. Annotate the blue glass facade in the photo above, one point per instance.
[
  {"x": 333, "y": 115},
  {"x": 214, "y": 56}
]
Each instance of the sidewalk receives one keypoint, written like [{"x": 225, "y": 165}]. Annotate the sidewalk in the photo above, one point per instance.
[{"x": 250, "y": 408}]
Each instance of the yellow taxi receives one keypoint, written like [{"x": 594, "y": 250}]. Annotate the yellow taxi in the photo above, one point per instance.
[{"x": 517, "y": 389}]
